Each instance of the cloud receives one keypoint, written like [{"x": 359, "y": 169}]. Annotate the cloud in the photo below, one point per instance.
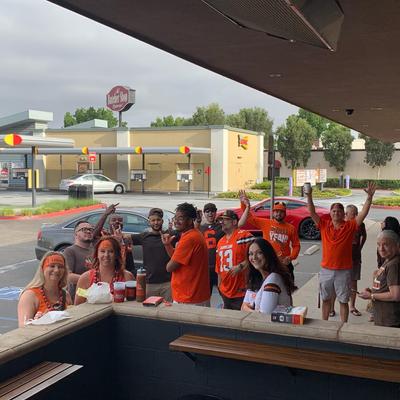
[{"x": 56, "y": 60}]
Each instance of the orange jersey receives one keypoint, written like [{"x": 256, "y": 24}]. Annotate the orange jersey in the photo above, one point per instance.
[
  {"x": 282, "y": 235},
  {"x": 190, "y": 283},
  {"x": 337, "y": 243},
  {"x": 230, "y": 252}
]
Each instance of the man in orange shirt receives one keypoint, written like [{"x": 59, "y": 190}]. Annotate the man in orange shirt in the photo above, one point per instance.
[
  {"x": 282, "y": 235},
  {"x": 231, "y": 251},
  {"x": 190, "y": 282},
  {"x": 337, "y": 240}
]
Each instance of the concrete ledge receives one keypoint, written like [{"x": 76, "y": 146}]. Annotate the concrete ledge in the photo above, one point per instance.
[
  {"x": 367, "y": 335},
  {"x": 312, "y": 329},
  {"x": 24, "y": 340}
]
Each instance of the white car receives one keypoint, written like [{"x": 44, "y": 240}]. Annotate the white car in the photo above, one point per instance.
[{"x": 100, "y": 182}]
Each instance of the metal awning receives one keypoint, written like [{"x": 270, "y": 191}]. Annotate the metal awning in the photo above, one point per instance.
[
  {"x": 14, "y": 141},
  {"x": 109, "y": 150}
]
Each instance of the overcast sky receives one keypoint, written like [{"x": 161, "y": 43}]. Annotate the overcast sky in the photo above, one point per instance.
[{"x": 55, "y": 60}]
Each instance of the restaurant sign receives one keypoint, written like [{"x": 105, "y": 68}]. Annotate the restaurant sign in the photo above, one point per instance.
[{"x": 120, "y": 98}]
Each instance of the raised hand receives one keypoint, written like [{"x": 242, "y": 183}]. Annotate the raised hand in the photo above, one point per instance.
[
  {"x": 111, "y": 209},
  {"x": 243, "y": 196},
  {"x": 167, "y": 239},
  {"x": 370, "y": 190}
]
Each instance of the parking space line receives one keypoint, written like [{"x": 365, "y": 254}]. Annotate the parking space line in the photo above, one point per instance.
[{"x": 12, "y": 267}]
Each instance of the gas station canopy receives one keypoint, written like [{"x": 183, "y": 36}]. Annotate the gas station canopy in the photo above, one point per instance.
[{"x": 15, "y": 141}]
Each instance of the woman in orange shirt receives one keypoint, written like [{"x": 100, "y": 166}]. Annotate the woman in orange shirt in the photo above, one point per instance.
[
  {"x": 107, "y": 267},
  {"x": 47, "y": 290}
]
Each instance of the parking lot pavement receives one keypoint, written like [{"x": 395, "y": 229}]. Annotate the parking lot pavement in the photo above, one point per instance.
[{"x": 18, "y": 237}]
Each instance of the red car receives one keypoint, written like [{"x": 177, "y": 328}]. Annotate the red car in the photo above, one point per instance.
[{"x": 296, "y": 214}]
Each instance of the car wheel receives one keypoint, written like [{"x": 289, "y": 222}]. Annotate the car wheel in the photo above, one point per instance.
[
  {"x": 308, "y": 230},
  {"x": 62, "y": 248},
  {"x": 119, "y": 189}
]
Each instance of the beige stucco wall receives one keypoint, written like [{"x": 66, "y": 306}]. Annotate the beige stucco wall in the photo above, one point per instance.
[
  {"x": 232, "y": 167},
  {"x": 161, "y": 168},
  {"x": 355, "y": 167},
  {"x": 55, "y": 172},
  {"x": 243, "y": 164}
]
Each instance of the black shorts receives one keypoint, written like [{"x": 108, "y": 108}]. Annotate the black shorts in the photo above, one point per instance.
[{"x": 234, "y": 303}]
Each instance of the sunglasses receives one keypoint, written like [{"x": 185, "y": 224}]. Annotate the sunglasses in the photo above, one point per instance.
[
  {"x": 86, "y": 230},
  {"x": 280, "y": 203},
  {"x": 120, "y": 220}
]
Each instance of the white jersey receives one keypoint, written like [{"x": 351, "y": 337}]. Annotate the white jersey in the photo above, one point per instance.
[{"x": 271, "y": 294}]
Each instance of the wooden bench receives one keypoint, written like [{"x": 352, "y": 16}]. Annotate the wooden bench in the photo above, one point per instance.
[
  {"x": 36, "y": 379},
  {"x": 290, "y": 357}
]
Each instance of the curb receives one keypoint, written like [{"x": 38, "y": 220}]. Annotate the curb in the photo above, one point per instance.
[
  {"x": 55, "y": 213},
  {"x": 386, "y": 207}
]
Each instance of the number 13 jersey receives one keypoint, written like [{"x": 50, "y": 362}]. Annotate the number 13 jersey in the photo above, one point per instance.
[{"x": 231, "y": 252}]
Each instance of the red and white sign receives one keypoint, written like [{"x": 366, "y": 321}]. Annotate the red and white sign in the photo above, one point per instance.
[
  {"x": 120, "y": 98},
  {"x": 92, "y": 157}
]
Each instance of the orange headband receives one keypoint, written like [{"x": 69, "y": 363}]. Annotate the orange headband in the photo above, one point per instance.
[
  {"x": 53, "y": 259},
  {"x": 106, "y": 245}
]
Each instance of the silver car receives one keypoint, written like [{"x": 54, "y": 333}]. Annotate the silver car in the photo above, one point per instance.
[
  {"x": 100, "y": 183},
  {"x": 59, "y": 236}
]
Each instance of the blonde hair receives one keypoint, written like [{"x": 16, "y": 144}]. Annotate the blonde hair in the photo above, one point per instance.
[{"x": 38, "y": 280}]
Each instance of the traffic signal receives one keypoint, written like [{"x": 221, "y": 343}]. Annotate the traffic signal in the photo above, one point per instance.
[{"x": 85, "y": 150}]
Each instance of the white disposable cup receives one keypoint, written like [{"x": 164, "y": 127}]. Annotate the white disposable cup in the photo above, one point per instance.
[
  {"x": 307, "y": 188},
  {"x": 119, "y": 285}
]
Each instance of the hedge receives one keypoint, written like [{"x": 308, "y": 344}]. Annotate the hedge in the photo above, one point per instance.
[{"x": 362, "y": 183}]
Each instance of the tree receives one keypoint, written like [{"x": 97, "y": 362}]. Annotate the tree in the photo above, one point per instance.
[
  {"x": 213, "y": 114},
  {"x": 337, "y": 140},
  {"x": 316, "y": 121},
  {"x": 254, "y": 119},
  {"x": 87, "y": 114},
  {"x": 378, "y": 153},
  {"x": 169, "y": 120},
  {"x": 294, "y": 141}
]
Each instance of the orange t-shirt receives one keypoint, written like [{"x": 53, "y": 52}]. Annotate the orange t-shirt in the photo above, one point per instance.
[
  {"x": 230, "y": 252},
  {"x": 337, "y": 243},
  {"x": 282, "y": 235},
  {"x": 190, "y": 283}
]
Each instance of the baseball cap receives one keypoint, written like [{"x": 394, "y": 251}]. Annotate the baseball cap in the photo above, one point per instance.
[
  {"x": 279, "y": 205},
  {"x": 229, "y": 214},
  {"x": 210, "y": 207}
]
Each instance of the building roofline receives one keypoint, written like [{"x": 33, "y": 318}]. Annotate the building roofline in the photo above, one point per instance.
[{"x": 26, "y": 116}]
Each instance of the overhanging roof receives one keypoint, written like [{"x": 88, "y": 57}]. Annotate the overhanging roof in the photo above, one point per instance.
[
  {"x": 362, "y": 75},
  {"x": 108, "y": 150}
]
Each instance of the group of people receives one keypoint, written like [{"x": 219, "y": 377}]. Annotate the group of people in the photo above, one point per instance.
[{"x": 200, "y": 251}]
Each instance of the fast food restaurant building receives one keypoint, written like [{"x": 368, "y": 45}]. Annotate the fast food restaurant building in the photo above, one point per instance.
[{"x": 168, "y": 158}]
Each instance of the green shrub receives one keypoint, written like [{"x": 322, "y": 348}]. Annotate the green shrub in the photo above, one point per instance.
[
  {"x": 387, "y": 201},
  {"x": 26, "y": 212},
  {"x": 362, "y": 183},
  {"x": 7, "y": 212},
  {"x": 48, "y": 207}
]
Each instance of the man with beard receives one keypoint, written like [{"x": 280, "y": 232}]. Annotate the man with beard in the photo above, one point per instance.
[
  {"x": 282, "y": 235},
  {"x": 79, "y": 255},
  {"x": 189, "y": 260},
  {"x": 155, "y": 257}
]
